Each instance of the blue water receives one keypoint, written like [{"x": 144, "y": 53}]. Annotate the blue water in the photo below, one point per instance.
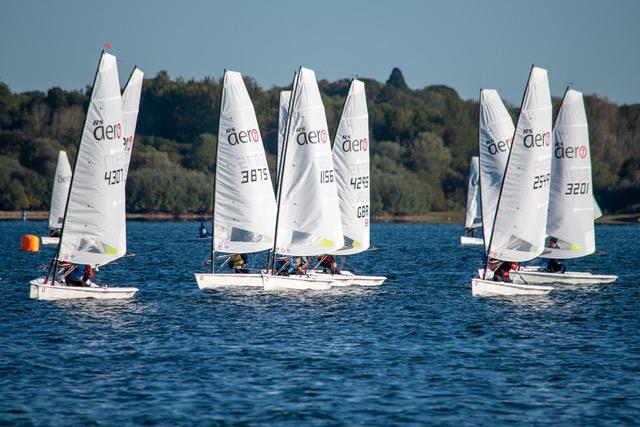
[{"x": 419, "y": 350}]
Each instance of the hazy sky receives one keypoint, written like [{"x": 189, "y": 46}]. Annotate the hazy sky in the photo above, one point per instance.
[{"x": 462, "y": 44}]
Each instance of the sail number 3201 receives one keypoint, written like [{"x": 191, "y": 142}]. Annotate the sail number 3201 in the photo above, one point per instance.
[{"x": 114, "y": 177}]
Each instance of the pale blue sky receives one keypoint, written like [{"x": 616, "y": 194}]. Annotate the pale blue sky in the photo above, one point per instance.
[{"x": 462, "y": 44}]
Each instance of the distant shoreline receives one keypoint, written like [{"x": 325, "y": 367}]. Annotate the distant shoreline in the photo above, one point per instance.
[{"x": 452, "y": 217}]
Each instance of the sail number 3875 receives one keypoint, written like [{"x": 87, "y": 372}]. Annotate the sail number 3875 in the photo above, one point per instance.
[{"x": 253, "y": 175}]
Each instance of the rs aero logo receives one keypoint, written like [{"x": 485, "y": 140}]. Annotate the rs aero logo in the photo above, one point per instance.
[
  {"x": 571, "y": 152},
  {"x": 500, "y": 146},
  {"x": 108, "y": 132},
  {"x": 349, "y": 144},
  {"x": 304, "y": 137},
  {"x": 536, "y": 139},
  {"x": 243, "y": 136}
]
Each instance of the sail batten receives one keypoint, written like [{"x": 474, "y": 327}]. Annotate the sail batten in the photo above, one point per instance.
[
  {"x": 521, "y": 215},
  {"x": 244, "y": 205}
]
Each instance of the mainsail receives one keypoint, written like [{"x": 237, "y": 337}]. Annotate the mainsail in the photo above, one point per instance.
[
  {"x": 95, "y": 217},
  {"x": 570, "y": 226},
  {"x": 495, "y": 135},
  {"x": 283, "y": 114},
  {"x": 130, "y": 105},
  {"x": 473, "y": 218},
  {"x": 60, "y": 192},
  {"x": 351, "y": 162},
  {"x": 244, "y": 203},
  {"x": 521, "y": 216},
  {"x": 309, "y": 221}
]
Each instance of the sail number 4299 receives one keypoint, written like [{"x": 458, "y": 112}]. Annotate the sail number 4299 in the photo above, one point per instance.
[{"x": 113, "y": 177}]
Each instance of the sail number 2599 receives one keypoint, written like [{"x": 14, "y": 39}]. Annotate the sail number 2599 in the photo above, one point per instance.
[
  {"x": 113, "y": 177},
  {"x": 540, "y": 181}
]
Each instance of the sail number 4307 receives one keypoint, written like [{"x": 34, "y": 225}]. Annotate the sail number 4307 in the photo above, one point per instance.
[{"x": 113, "y": 177}]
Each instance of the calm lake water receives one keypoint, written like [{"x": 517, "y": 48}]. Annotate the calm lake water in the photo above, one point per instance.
[{"x": 419, "y": 350}]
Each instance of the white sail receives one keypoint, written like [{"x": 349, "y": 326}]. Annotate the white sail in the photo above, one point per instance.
[
  {"x": 309, "y": 220},
  {"x": 130, "y": 105},
  {"x": 496, "y": 133},
  {"x": 473, "y": 218},
  {"x": 521, "y": 216},
  {"x": 570, "y": 226},
  {"x": 351, "y": 162},
  {"x": 245, "y": 207},
  {"x": 597, "y": 212},
  {"x": 95, "y": 217},
  {"x": 285, "y": 97},
  {"x": 60, "y": 192}
]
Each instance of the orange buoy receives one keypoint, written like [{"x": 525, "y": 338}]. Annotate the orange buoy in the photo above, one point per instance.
[{"x": 30, "y": 243}]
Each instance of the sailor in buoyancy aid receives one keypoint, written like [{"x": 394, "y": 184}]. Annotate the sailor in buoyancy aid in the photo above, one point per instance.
[
  {"x": 501, "y": 274},
  {"x": 236, "y": 262},
  {"x": 80, "y": 275},
  {"x": 203, "y": 231}
]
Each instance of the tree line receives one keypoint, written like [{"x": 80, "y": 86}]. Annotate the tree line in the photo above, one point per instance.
[{"x": 421, "y": 144}]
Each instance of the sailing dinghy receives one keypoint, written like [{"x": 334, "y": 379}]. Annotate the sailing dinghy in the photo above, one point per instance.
[
  {"x": 58, "y": 199},
  {"x": 520, "y": 220},
  {"x": 473, "y": 217},
  {"x": 308, "y": 221},
  {"x": 244, "y": 211},
  {"x": 351, "y": 161},
  {"x": 94, "y": 218},
  {"x": 570, "y": 223}
]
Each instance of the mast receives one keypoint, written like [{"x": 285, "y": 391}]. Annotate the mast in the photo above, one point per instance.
[
  {"x": 279, "y": 179},
  {"x": 73, "y": 176},
  {"x": 484, "y": 237},
  {"x": 504, "y": 176}
]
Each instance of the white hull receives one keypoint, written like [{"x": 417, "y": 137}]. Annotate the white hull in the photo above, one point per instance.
[
  {"x": 272, "y": 283},
  {"x": 59, "y": 291},
  {"x": 346, "y": 278},
  {"x": 566, "y": 278},
  {"x": 46, "y": 240},
  {"x": 488, "y": 288},
  {"x": 228, "y": 280},
  {"x": 466, "y": 240}
]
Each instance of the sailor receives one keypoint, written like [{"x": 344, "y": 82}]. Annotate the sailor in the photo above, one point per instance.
[
  {"x": 284, "y": 266},
  {"x": 236, "y": 263},
  {"x": 300, "y": 265},
  {"x": 203, "y": 231},
  {"x": 553, "y": 265},
  {"x": 80, "y": 275},
  {"x": 501, "y": 273},
  {"x": 469, "y": 231},
  {"x": 328, "y": 264}
]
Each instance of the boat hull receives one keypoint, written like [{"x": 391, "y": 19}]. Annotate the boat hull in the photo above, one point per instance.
[
  {"x": 346, "y": 278},
  {"x": 337, "y": 280},
  {"x": 466, "y": 240},
  {"x": 489, "y": 288},
  {"x": 566, "y": 278},
  {"x": 57, "y": 291},
  {"x": 231, "y": 280},
  {"x": 46, "y": 240},
  {"x": 272, "y": 283}
]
